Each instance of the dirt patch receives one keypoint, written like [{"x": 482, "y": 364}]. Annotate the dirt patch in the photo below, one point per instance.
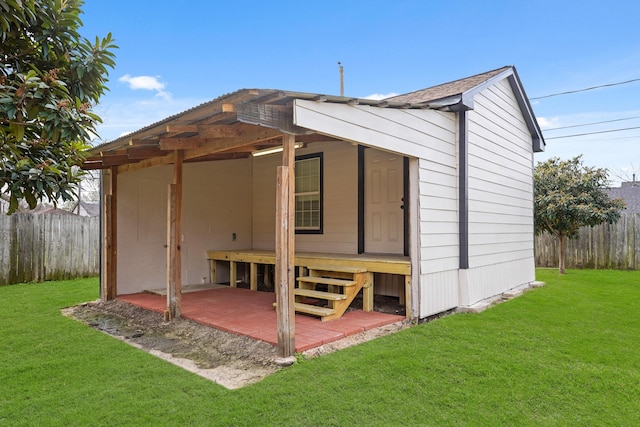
[{"x": 230, "y": 360}]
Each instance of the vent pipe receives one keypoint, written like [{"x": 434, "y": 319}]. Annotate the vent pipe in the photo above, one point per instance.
[{"x": 341, "y": 69}]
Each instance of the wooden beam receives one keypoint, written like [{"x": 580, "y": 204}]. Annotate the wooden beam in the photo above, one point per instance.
[
  {"x": 220, "y": 156},
  {"x": 253, "y": 276},
  {"x": 252, "y": 136},
  {"x": 117, "y": 160},
  {"x": 285, "y": 250},
  {"x": 174, "y": 242},
  {"x": 113, "y": 153},
  {"x": 172, "y": 303},
  {"x": 220, "y": 131},
  {"x": 183, "y": 143},
  {"x": 134, "y": 142},
  {"x": 223, "y": 116},
  {"x": 144, "y": 152},
  {"x": 110, "y": 244},
  {"x": 407, "y": 297},
  {"x": 148, "y": 163},
  {"x": 92, "y": 166},
  {"x": 182, "y": 128}
]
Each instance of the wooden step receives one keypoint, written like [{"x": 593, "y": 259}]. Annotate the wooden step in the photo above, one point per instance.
[
  {"x": 314, "y": 309},
  {"x": 326, "y": 281},
  {"x": 319, "y": 294},
  {"x": 339, "y": 269}
]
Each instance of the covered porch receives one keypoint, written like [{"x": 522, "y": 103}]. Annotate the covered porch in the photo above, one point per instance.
[
  {"x": 251, "y": 313},
  {"x": 189, "y": 191}
]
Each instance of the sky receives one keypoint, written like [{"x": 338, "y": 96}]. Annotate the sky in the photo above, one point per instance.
[{"x": 174, "y": 55}]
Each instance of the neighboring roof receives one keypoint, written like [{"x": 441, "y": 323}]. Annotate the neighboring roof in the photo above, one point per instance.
[
  {"x": 47, "y": 210},
  {"x": 630, "y": 193},
  {"x": 92, "y": 209}
]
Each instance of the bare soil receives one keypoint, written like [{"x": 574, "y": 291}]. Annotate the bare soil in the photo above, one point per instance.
[{"x": 230, "y": 360}]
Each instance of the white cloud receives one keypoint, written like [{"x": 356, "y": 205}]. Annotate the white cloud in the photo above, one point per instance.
[
  {"x": 546, "y": 123},
  {"x": 381, "y": 95},
  {"x": 146, "y": 83},
  {"x": 128, "y": 115}
]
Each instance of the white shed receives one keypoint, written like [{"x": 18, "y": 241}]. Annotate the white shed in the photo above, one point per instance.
[{"x": 430, "y": 193}]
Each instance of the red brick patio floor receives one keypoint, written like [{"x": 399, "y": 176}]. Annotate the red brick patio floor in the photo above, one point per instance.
[{"x": 251, "y": 313}]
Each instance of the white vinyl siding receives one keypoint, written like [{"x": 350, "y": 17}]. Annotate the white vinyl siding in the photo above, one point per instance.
[
  {"x": 500, "y": 195},
  {"x": 406, "y": 132},
  {"x": 430, "y": 137}
]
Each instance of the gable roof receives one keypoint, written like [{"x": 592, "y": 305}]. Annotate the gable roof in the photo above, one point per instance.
[
  {"x": 458, "y": 95},
  {"x": 447, "y": 91}
]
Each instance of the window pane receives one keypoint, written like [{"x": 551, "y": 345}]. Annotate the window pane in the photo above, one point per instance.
[{"x": 307, "y": 197}]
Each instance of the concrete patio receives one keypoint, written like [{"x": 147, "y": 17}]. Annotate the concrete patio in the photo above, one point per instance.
[{"x": 251, "y": 313}]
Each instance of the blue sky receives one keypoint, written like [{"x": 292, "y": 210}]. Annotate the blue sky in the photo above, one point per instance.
[{"x": 175, "y": 55}]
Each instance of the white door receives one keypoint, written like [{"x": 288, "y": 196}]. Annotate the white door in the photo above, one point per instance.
[{"x": 383, "y": 213}]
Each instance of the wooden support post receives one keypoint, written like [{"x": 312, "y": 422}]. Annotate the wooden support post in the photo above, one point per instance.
[
  {"x": 110, "y": 244},
  {"x": 407, "y": 296},
  {"x": 367, "y": 292},
  {"x": 266, "y": 278},
  {"x": 285, "y": 250},
  {"x": 174, "y": 242},
  {"x": 233, "y": 274},
  {"x": 253, "y": 276},
  {"x": 212, "y": 271}
]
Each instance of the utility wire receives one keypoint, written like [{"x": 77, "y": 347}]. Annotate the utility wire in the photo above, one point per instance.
[
  {"x": 593, "y": 123},
  {"x": 620, "y": 137},
  {"x": 586, "y": 89},
  {"x": 593, "y": 133}
]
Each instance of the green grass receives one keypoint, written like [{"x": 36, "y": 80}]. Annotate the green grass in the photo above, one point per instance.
[{"x": 565, "y": 354}]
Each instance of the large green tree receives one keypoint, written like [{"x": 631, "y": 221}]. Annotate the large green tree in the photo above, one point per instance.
[
  {"x": 568, "y": 196},
  {"x": 50, "y": 79}
]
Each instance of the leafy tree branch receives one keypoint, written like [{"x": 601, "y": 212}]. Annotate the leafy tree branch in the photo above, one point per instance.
[
  {"x": 568, "y": 196},
  {"x": 50, "y": 79}
]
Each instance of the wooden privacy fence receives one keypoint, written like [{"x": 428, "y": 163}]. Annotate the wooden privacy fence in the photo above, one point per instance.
[
  {"x": 35, "y": 248},
  {"x": 611, "y": 246}
]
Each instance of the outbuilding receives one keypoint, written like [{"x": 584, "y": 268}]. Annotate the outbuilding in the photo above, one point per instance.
[{"x": 426, "y": 196}]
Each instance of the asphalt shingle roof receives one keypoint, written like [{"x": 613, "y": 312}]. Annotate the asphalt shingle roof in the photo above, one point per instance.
[{"x": 445, "y": 90}]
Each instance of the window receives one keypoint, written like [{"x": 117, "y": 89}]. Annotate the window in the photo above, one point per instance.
[{"x": 308, "y": 193}]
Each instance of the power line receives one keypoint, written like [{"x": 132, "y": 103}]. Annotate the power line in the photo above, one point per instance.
[
  {"x": 592, "y": 133},
  {"x": 620, "y": 137},
  {"x": 603, "y": 140},
  {"x": 592, "y": 123},
  {"x": 586, "y": 89}
]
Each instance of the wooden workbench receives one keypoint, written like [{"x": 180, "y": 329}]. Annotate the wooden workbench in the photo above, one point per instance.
[{"x": 374, "y": 263}]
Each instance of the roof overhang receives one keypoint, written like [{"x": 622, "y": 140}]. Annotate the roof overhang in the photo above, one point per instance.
[
  {"x": 230, "y": 127},
  {"x": 237, "y": 124},
  {"x": 464, "y": 101}
]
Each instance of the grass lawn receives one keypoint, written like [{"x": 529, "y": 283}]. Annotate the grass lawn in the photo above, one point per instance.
[{"x": 565, "y": 354}]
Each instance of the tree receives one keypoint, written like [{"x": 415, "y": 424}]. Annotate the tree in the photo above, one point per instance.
[
  {"x": 567, "y": 196},
  {"x": 50, "y": 78}
]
